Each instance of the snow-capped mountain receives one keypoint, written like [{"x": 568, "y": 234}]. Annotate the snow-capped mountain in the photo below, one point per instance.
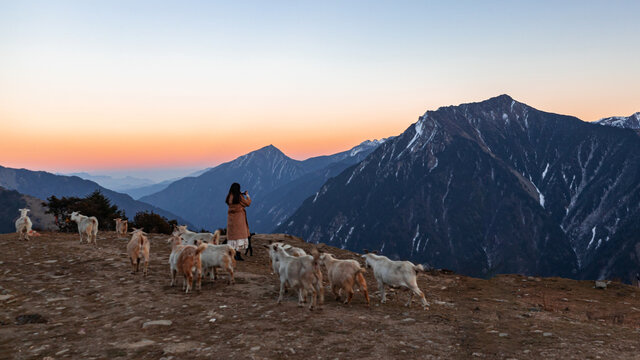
[
  {"x": 484, "y": 188},
  {"x": 625, "y": 122},
  {"x": 276, "y": 183},
  {"x": 628, "y": 122}
]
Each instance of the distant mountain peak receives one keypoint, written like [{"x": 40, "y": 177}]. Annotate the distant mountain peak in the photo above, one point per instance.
[{"x": 625, "y": 122}]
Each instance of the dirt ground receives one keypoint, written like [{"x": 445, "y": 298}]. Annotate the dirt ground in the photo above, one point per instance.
[{"x": 60, "y": 299}]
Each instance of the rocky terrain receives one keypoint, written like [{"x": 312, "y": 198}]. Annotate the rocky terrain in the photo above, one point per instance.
[{"x": 63, "y": 300}]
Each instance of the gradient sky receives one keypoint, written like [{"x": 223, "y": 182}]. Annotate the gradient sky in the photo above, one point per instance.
[{"x": 90, "y": 85}]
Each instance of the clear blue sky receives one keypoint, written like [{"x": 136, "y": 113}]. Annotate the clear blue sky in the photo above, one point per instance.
[{"x": 311, "y": 77}]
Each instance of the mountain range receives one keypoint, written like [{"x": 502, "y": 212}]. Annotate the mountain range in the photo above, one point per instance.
[
  {"x": 276, "y": 183},
  {"x": 625, "y": 122},
  {"x": 41, "y": 184},
  {"x": 490, "y": 187}
]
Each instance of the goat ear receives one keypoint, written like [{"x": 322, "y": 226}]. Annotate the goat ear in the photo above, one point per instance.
[
  {"x": 374, "y": 252},
  {"x": 267, "y": 246},
  {"x": 365, "y": 251}
]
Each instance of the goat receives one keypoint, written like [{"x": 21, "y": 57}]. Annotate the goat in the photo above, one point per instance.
[
  {"x": 219, "y": 256},
  {"x": 138, "y": 247},
  {"x": 176, "y": 249},
  {"x": 24, "y": 224},
  {"x": 301, "y": 273},
  {"x": 395, "y": 273},
  {"x": 291, "y": 250},
  {"x": 343, "y": 275},
  {"x": 86, "y": 226},
  {"x": 188, "y": 262},
  {"x": 121, "y": 227},
  {"x": 191, "y": 238}
]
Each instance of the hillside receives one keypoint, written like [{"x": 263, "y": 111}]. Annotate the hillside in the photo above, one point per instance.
[
  {"x": 94, "y": 308},
  {"x": 11, "y": 201},
  {"x": 41, "y": 184}
]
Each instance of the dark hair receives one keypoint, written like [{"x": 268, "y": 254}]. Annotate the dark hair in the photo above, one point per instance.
[{"x": 233, "y": 197}]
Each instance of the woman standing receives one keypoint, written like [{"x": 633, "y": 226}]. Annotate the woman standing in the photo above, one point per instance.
[{"x": 237, "y": 225}]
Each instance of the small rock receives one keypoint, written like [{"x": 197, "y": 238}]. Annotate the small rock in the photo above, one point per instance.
[
  {"x": 61, "y": 298},
  {"x": 5, "y": 297},
  {"x": 601, "y": 284},
  {"x": 82, "y": 332},
  {"x": 292, "y": 351},
  {"x": 547, "y": 334},
  {"x": 30, "y": 319},
  {"x": 139, "y": 344},
  {"x": 477, "y": 354},
  {"x": 408, "y": 320},
  {"x": 212, "y": 320},
  {"x": 503, "y": 334},
  {"x": 51, "y": 261},
  {"x": 255, "y": 348},
  {"x": 133, "y": 319},
  {"x": 157, "y": 322},
  {"x": 62, "y": 352}
]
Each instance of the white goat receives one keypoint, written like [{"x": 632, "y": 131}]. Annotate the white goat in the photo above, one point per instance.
[
  {"x": 137, "y": 248},
  {"x": 24, "y": 224},
  {"x": 191, "y": 238},
  {"x": 343, "y": 275},
  {"x": 395, "y": 273},
  {"x": 291, "y": 250},
  {"x": 301, "y": 273},
  {"x": 218, "y": 256},
  {"x": 86, "y": 226}
]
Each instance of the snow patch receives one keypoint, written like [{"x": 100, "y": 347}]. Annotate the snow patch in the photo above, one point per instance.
[
  {"x": 593, "y": 236},
  {"x": 419, "y": 128},
  {"x": 544, "y": 173},
  {"x": 413, "y": 241}
]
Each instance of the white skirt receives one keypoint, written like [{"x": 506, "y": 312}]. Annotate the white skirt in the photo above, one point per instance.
[{"x": 239, "y": 244}]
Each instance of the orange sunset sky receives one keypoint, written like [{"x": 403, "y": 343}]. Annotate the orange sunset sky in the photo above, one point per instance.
[{"x": 152, "y": 84}]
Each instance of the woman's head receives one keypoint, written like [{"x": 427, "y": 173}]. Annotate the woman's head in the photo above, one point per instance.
[{"x": 233, "y": 197}]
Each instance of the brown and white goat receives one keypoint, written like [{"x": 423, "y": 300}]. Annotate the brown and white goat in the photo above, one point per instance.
[
  {"x": 176, "y": 249},
  {"x": 121, "y": 227},
  {"x": 189, "y": 262},
  {"x": 343, "y": 275},
  {"x": 301, "y": 273},
  {"x": 395, "y": 273},
  {"x": 137, "y": 248}
]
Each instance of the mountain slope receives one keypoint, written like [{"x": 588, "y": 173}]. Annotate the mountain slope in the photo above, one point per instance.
[
  {"x": 201, "y": 199},
  {"x": 42, "y": 184},
  {"x": 495, "y": 186}
]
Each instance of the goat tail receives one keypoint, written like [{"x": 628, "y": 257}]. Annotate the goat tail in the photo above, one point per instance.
[
  {"x": 216, "y": 237},
  {"x": 201, "y": 248},
  {"x": 418, "y": 268},
  {"x": 94, "y": 222}
]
